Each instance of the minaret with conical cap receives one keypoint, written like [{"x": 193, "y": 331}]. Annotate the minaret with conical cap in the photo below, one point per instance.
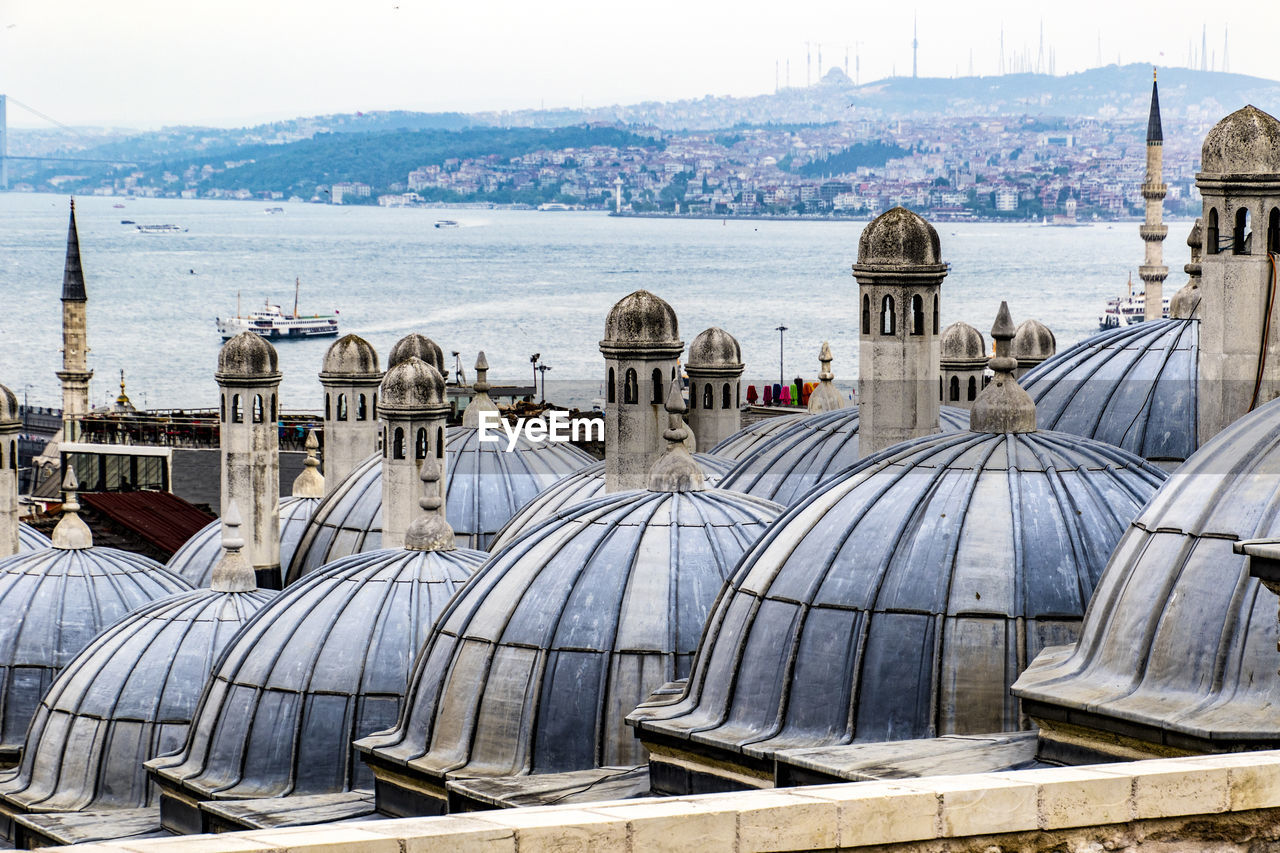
[
  {"x": 480, "y": 399},
  {"x": 71, "y": 533},
  {"x": 1153, "y": 272},
  {"x": 232, "y": 572},
  {"x": 431, "y": 531},
  {"x": 249, "y": 381},
  {"x": 309, "y": 483},
  {"x": 350, "y": 377},
  {"x": 825, "y": 398},
  {"x": 676, "y": 470},
  {"x": 1003, "y": 406},
  {"x": 10, "y": 427},
  {"x": 413, "y": 412},
  {"x": 715, "y": 375},
  {"x": 75, "y": 373}
]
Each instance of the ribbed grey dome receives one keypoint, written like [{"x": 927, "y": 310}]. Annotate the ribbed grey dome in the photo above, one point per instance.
[
  {"x": 534, "y": 665},
  {"x": 30, "y": 539},
  {"x": 324, "y": 662},
  {"x": 195, "y": 560},
  {"x": 127, "y": 697},
  {"x": 486, "y": 485},
  {"x": 52, "y": 604},
  {"x": 576, "y": 488},
  {"x": 350, "y": 356},
  {"x": 1033, "y": 342},
  {"x": 714, "y": 347},
  {"x": 247, "y": 356},
  {"x": 411, "y": 385},
  {"x": 1134, "y": 387},
  {"x": 1245, "y": 142},
  {"x": 899, "y": 237},
  {"x": 9, "y": 411},
  {"x": 1179, "y": 637},
  {"x": 422, "y": 347},
  {"x": 641, "y": 318},
  {"x": 749, "y": 437},
  {"x": 901, "y": 599},
  {"x": 816, "y": 447},
  {"x": 962, "y": 342}
]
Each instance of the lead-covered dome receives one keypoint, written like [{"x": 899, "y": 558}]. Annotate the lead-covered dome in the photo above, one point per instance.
[
  {"x": 899, "y": 600},
  {"x": 1134, "y": 387},
  {"x": 899, "y": 237},
  {"x": 962, "y": 342},
  {"x": 324, "y": 662},
  {"x": 1033, "y": 342},
  {"x": 752, "y": 435},
  {"x": 127, "y": 697},
  {"x": 641, "y": 318},
  {"x": 1180, "y": 642},
  {"x": 52, "y": 603},
  {"x": 1245, "y": 142},
  {"x": 414, "y": 345},
  {"x": 534, "y": 665},
  {"x": 350, "y": 356},
  {"x": 795, "y": 459},
  {"x": 30, "y": 539},
  {"x": 485, "y": 485},
  {"x": 576, "y": 488},
  {"x": 195, "y": 560},
  {"x": 9, "y": 411},
  {"x": 247, "y": 356},
  {"x": 410, "y": 385},
  {"x": 714, "y": 347}
]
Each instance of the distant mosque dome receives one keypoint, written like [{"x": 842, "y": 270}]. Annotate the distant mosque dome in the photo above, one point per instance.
[
  {"x": 576, "y": 488},
  {"x": 788, "y": 463},
  {"x": 899, "y": 236},
  {"x": 195, "y": 560},
  {"x": 485, "y": 486},
  {"x": 640, "y": 318},
  {"x": 962, "y": 342},
  {"x": 1245, "y": 142},
  {"x": 750, "y": 436},
  {"x": 1134, "y": 387},
  {"x": 1180, "y": 642},
  {"x": 30, "y": 539}
]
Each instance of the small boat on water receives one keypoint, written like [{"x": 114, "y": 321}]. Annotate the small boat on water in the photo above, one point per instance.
[
  {"x": 161, "y": 229},
  {"x": 127, "y": 222},
  {"x": 1127, "y": 310},
  {"x": 274, "y": 210},
  {"x": 447, "y": 223},
  {"x": 272, "y": 323},
  {"x": 118, "y": 205},
  {"x": 553, "y": 205}
]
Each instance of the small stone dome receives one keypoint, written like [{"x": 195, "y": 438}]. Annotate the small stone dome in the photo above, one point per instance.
[
  {"x": 749, "y": 437},
  {"x": 901, "y": 599},
  {"x": 641, "y": 318},
  {"x": 350, "y": 356},
  {"x": 30, "y": 539},
  {"x": 324, "y": 662},
  {"x": 714, "y": 348},
  {"x": 411, "y": 385},
  {"x": 566, "y": 630},
  {"x": 195, "y": 560},
  {"x": 588, "y": 483},
  {"x": 9, "y": 411},
  {"x": 127, "y": 697},
  {"x": 962, "y": 342},
  {"x": 899, "y": 237},
  {"x": 1033, "y": 342},
  {"x": 1134, "y": 387},
  {"x": 1180, "y": 641},
  {"x": 56, "y": 600},
  {"x": 417, "y": 345},
  {"x": 484, "y": 484},
  {"x": 792, "y": 461},
  {"x": 1245, "y": 142},
  {"x": 247, "y": 356}
]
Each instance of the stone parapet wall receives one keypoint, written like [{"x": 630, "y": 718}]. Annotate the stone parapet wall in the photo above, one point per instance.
[{"x": 1220, "y": 803}]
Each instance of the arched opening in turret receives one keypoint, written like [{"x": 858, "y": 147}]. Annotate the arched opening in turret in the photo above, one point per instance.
[
  {"x": 13, "y": 456},
  {"x": 237, "y": 416},
  {"x": 888, "y": 322},
  {"x": 955, "y": 388},
  {"x": 611, "y": 394},
  {"x": 656, "y": 378},
  {"x": 439, "y": 442},
  {"x": 257, "y": 408},
  {"x": 275, "y": 415},
  {"x": 973, "y": 388},
  {"x": 326, "y": 407},
  {"x": 1241, "y": 236},
  {"x": 1211, "y": 233},
  {"x": 420, "y": 444},
  {"x": 374, "y": 414},
  {"x": 726, "y": 397},
  {"x": 866, "y": 314},
  {"x": 384, "y": 443},
  {"x": 708, "y": 397},
  {"x": 630, "y": 387},
  {"x": 935, "y": 313},
  {"x": 397, "y": 444},
  {"x": 362, "y": 408},
  {"x": 342, "y": 407},
  {"x": 222, "y": 409},
  {"x": 693, "y": 396},
  {"x": 1273, "y": 231},
  {"x": 917, "y": 315}
]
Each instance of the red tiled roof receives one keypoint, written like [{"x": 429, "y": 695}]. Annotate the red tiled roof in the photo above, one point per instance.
[{"x": 163, "y": 519}]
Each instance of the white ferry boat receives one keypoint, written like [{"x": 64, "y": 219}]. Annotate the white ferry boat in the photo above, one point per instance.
[
  {"x": 447, "y": 223},
  {"x": 1127, "y": 310},
  {"x": 272, "y": 323},
  {"x": 161, "y": 229}
]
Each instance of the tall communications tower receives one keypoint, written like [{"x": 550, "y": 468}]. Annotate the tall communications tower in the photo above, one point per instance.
[
  {"x": 915, "y": 44},
  {"x": 4, "y": 146}
]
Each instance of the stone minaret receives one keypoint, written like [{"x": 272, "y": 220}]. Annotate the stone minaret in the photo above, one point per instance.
[
  {"x": 715, "y": 375},
  {"x": 75, "y": 373},
  {"x": 413, "y": 409},
  {"x": 1153, "y": 272},
  {"x": 825, "y": 398},
  {"x": 350, "y": 377},
  {"x": 480, "y": 399},
  {"x": 10, "y": 426},
  {"x": 1239, "y": 358},
  {"x": 899, "y": 273},
  {"x": 641, "y": 345},
  {"x": 249, "y": 381}
]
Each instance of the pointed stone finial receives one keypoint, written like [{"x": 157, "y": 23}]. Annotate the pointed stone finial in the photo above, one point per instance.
[
  {"x": 1003, "y": 406},
  {"x": 676, "y": 470},
  {"x": 71, "y": 534},
  {"x": 430, "y": 531},
  {"x": 825, "y": 398},
  {"x": 232, "y": 573},
  {"x": 310, "y": 483},
  {"x": 480, "y": 399}
]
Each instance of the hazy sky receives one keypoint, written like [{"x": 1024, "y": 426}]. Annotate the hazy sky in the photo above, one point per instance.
[{"x": 235, "y": 62}]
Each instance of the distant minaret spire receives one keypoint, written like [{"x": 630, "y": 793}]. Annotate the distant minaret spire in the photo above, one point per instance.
[
  {"x": 75, "y": 373},
  {"x": 1153, "y": 271},
  {"x": 915, "y": 43}
]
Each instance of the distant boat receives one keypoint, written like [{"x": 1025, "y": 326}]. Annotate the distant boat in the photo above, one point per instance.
[
  {"x": 161, "y": 229},
  {"x": 274, "y": 210},
  {"x": 554, "y": 205},
  {"x": 447, "y": 223},
  {"x": 1127, "y": 310},
  {"x": 271, "y": 322},
  {"x": 127, "y": 222},
  {"x": 118, "y": 205}
]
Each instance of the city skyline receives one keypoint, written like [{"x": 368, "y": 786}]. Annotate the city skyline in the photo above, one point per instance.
[{"x": 234, "y": 64}]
